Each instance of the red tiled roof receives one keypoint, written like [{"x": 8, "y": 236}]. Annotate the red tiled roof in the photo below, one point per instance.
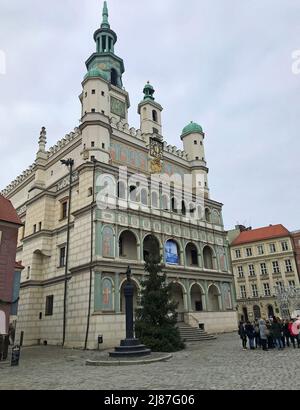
[
  {"x": 260, "y": 234},
  {"x": 8, "y": 212},
  {"x": 18, "y": 265}
]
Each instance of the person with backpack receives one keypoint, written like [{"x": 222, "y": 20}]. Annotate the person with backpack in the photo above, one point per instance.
[
  {"x": 276, "y": 333},
  {"x": 249, "y": 329}
]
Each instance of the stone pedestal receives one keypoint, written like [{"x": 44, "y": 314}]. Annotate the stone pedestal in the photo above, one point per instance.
[{"x": 130, "y": 347}]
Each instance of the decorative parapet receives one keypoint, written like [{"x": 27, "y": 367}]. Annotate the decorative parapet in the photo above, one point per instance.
[
  {"x": 18, "y": 180},
  {"x": 63, "y": 142},
  {"x": 172, "y": 149},
  {"x": 53, "y": 150}
]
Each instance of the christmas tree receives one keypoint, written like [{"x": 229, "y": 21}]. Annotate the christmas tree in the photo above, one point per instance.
[{"x": 156, "y": 320}]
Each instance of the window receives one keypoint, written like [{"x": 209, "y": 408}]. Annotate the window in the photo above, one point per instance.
[
  {"x": 155, "y": 131},
  {"x": 34, "y": 228},
  {"x": 254, "y": 291},
  {"x": 102, "y": 93},
  {"x": 195, "y": 142},
  {"x": 272, "y": 248},
  {"x": 92, "y": 144},
  {"x": 49, "y": 305},
  {"x": 263, "y": 269},
  {"x": 292, "y": 283},
  {"x": 251, "y": 270},
  {"x": 267, "y": 289},
  {"x": 92, "y": 157},
  {"x": 197, "y": 158},
  {"x": 103, "y": 145},
  {"x": 288, "y": 265},
  {"x": 40, "y": 226},
  {"x": 93, "y": 110},
  {"x": 85, "y": 94},
  {"x": 90, "y": 191},
  {"x": 102, "y": 111},
  {"x": 260, "y": 249},
  {"x": 201, "y": 143},
  {"x": 276, "y": 267},
  {"x": 243, "y": 292},
  {"x": 93, "y": 91},
  {"x": 28, "y": 273},
  {"x": 237, "y": 253},
  {"x": 64, "y": 209},
  {"x": 284, "y": 246},
  {"x": 279, "y": 286},
  {"x": 240, "y": 271},
  {"x": 62, "y": 257},
  {"x": 249, "y": 251},
  {"x": 154, "y": 116}
]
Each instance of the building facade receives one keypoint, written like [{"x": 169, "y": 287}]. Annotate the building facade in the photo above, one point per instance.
[
  {"x": 9, "y": 269},
  {"x": 112, "y": 165},
  {"x": 263, "y": 262}
]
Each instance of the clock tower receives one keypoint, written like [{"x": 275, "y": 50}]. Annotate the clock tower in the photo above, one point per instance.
[
  {"x": 150, "y": 113},
  {"x": 103, "y": 95}
]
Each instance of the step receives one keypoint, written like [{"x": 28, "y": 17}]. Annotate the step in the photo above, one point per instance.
[{"x": 133, "y": 353}]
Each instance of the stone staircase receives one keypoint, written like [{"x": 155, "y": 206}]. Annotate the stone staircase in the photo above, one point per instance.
[{"x": 193, "y": 334}]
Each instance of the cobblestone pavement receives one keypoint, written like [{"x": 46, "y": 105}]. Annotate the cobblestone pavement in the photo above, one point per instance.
[{"x": 217, "y": 364}]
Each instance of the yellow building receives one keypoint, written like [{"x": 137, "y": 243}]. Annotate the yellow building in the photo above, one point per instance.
[{"x": 263, "y": 261}]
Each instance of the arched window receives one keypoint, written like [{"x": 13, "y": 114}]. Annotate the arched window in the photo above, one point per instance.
[
  {"x": 174, "y": 205},
  {"x": 114, "y": 77},
  {"x": 154, "y": 115},
  {"x": 197, "y": 298},
  {"x": 165, "y": 203},
  {"x": 144, "y": 196},
  {"x": 128, "y": 246},
  {"x": 256, "y": 312},
  {"x": 208, "y": 258},
  {"x": 151, "y": 247},
  {"x": 191, "y": 255},
  {"x": 183, "y": 208},
  {"x": 133, "y": 193},
  {"x": 154, "y": 200},
  {"x": 207, "y": 214}
]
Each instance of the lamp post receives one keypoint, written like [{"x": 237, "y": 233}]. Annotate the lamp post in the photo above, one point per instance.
[{"x": 68, "y": 163}]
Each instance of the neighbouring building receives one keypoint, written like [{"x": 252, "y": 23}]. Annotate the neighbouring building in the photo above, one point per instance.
[
  {"x": 9, "y": 269},
  {"x": 296, "y": 241},
  {"x": 263, "y": 261},
  {"x": 188, "y": 234}
]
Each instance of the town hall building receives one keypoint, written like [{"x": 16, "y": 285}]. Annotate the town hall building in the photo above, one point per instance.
[{"x": 76, "y": 251}]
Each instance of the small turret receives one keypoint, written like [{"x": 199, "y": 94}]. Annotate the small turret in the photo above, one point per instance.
[{"x": 150, "y": 112}]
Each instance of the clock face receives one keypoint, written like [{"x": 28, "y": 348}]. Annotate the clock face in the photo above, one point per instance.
[
  {"x": 117, "y": 107},
  {"x": 156, "y": 149}
]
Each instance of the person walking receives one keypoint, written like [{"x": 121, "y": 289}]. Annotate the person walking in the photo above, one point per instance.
[
  {"x": 243, "y": 335},
  {"x": 249, "y": 329},
  {"x": 263, "y": 333},
  {"x": 276, "y": 333}
]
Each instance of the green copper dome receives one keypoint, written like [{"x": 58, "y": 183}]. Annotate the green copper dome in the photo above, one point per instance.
[
  {"x": 96, "y": 72},
  {"x": 148, "y": 92},
  {"x": 192, "y": 128}
]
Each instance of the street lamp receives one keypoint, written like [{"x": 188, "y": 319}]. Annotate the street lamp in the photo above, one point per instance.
[{"x": 68, "y": 163}]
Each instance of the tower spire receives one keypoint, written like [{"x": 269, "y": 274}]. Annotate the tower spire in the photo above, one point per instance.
[{"x": 105, "y": 23}]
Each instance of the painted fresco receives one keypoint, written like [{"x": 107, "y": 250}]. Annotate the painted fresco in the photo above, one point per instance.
[
  {"x": 108, "y": 243},
  {"x": 129, "y": 156}
]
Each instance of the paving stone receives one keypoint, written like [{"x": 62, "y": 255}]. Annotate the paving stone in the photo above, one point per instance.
[{"x": 217, "y": 364}]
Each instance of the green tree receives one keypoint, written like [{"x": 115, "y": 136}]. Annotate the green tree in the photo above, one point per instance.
[{"x": 156, "y": 320}]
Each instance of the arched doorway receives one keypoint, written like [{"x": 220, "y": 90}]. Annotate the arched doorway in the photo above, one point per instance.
[
  {"x": 2, "y": 323},
  {"x": 191, "y": 254},
  {"x": 270, "y": 311},
  {"x": 245, "y": 316},
  {"x": 213, "y": 299},
  {"x": 135, "y": 297},
  {"x": 208, "y": 258},
  {"x": 197, "y": 298},
  {"x": 256, "y": 312},
  {"x": 127, "y": 246},
  {"x": 150, "y": 244},
  {"x": 177, "y": 296}
]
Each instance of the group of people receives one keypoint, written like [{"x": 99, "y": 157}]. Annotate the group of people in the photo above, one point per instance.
[{"x": 270, "y": 334}]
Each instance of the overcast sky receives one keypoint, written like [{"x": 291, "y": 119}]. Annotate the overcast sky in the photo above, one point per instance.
[{"x": 226, "y": 64}]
